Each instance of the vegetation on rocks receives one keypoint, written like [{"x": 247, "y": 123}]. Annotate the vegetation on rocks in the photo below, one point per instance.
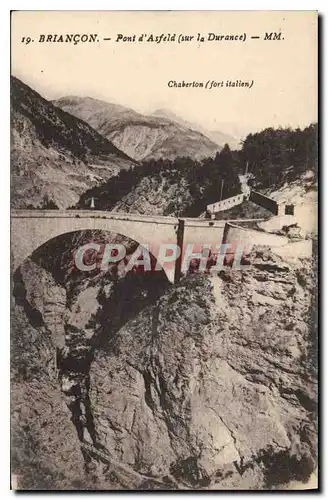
[{"x": 184, "y": 186}]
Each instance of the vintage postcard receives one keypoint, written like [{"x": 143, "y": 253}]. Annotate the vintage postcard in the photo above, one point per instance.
[{"x": 164, "y": 250}]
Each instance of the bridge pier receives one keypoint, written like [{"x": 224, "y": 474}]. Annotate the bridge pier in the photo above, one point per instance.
[{"x": 178, "y": 262}]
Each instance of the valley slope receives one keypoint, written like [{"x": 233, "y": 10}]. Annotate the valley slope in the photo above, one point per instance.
[
  {"x": 55, "y": 156},
  {"x": 141, "y": 137}
]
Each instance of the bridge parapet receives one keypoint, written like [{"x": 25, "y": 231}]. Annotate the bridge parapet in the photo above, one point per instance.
[{"x": 91, "y": 214}]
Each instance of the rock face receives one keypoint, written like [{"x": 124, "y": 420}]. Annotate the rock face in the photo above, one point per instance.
[
  {"x": 139, "y": 136},
  {"x": 212, "y": 385},
  {"x": 208, "y": 384},
  {"x": 155, "y": 196},
  {"x": 45, "y": 450},
  {"x": 54, "y": 156}
]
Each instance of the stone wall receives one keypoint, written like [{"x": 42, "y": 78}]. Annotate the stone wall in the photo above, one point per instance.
[
  {"x": 250, "y": 237},
  {"x": 219, "y": 206}
]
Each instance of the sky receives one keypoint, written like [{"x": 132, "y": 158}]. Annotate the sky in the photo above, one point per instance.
[{"x": 136, "y": 74}]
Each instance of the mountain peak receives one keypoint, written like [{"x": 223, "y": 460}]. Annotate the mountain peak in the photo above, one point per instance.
[
  {"x": 166, "y": 113},
  {"x": 217, "y": 136},
  {"x": 142, "y": 137}
]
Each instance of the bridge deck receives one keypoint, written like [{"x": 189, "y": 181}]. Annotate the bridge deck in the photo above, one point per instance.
[{"x": 101, "y": 214}]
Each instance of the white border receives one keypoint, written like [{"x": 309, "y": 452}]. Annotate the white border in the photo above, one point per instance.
[
  {"x": 5, "y": 7},
  {"x": 166, "y": 5}
]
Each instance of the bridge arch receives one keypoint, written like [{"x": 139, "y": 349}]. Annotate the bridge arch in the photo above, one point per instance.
[
  {"x": 101, "y": 240},
  {"x": 31, "y": 230}
]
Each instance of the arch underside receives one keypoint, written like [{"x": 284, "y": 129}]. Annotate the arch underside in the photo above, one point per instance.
[{"x": 28, "y": 235}]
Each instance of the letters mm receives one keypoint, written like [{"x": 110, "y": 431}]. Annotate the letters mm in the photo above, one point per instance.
[{"x": 272, "y": 36}]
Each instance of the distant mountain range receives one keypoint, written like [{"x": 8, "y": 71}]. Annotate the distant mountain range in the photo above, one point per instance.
[
  {"x": 215, "y": 135},
  {"x": 54, "y": 155},
  {"x": 61, "y": 149},
  {"x": 140, "y": 136}
]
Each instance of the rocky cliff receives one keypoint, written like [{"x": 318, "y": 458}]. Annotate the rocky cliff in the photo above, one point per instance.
[
  {"x": 54, "y": 156},
  {"x": 45, "y": 451},
  {"x": 208, "y": 384}
]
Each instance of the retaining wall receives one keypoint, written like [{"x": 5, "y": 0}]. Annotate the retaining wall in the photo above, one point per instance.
[{"x": 250, "y": 237}]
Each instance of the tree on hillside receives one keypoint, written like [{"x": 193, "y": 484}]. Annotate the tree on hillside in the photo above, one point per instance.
[
  {"x": 276, "y": 155},
  {"x": 48, "y": 204},
  {"x": 226, "y": 162}
]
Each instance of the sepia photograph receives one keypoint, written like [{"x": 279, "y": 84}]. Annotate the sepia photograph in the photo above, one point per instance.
[{"x": 164, "y": 250}]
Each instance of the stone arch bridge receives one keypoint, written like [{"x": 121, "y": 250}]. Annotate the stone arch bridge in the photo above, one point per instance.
[{"x": 32, "y": 228}]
